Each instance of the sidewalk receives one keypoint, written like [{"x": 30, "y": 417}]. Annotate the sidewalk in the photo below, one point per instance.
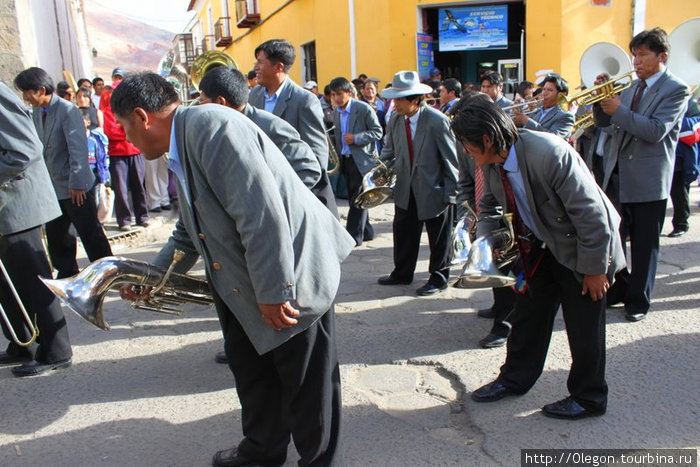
[{"x": 148, "y": 393}]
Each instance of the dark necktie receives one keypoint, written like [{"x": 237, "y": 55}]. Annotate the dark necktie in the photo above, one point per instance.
[
  {"x": 409, "y": 140},
  {"x": 522, "y": 233},
  {"x": 43, "y": 117},
  {"x": 638, "y": 95}
]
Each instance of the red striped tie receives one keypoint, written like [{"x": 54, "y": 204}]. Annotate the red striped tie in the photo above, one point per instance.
[{"x": 478, "y": 186}]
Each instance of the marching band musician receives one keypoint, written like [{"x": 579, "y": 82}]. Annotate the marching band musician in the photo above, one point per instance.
[
  {"x": 227, "y": 86},
  {"x": 492, "y": 85},
  {"x": 551, "y": 118},
  {"x": 279, "y": 95},
  {"x": 569, "y": 249},
  {"x": 27, "y": 200},
  {"x": 646, "y": 118},
  {"x": 422, "y": 148},
  {"x": 357, "y": 131},
  {"x": 238, "y": 197}
]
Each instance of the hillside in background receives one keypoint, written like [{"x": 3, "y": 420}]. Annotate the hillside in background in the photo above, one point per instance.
[{"x": 123, "y": 42}]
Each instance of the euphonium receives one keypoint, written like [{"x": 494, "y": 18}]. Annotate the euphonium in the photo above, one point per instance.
[
  {"x": 85, "y": 292},
  {"x": 332, "y": 153},
  {"x": 377, "y": 187},
  {"x": 481, "y": 269}
]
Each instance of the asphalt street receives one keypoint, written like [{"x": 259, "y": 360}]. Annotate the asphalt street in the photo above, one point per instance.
[{"x": 148, "y": 392}]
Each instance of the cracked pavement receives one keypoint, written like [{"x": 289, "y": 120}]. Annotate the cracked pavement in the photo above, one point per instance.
[{"x": 148, "y": 393}]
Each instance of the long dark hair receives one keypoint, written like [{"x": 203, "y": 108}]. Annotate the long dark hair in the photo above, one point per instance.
[{"x": 477, "y": 117}]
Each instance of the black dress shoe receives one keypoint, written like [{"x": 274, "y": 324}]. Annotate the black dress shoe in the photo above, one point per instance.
[
  {"x": 11, "y": 359},
  {"x": 492, "y": 340},
  {"x": 677, "y": 233},
  {"x": 391, "y": 280},
  {"x": 221, "y": 357},
  {"x": 231, "y": 458},
  {"x": 429, "y": 289},
  {"x": 491, "y": 392},
  {"x": 166, "y": 207},
  {"x": 35, "y": 368},
  {"x": 634, "y": 317},
  {"x": 569, "y": 409},
  {"x": 487, "y": 313}
]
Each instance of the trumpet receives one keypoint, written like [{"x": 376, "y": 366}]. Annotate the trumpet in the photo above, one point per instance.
[
  {"x": 597, "y": 93},
  {"x": 527, "y": 107}
]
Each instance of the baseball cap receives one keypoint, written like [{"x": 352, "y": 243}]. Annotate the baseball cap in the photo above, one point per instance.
[
  {"x": 118, "y": 71},
  {"x": 310, "y": 85},
  {"x": 435, "y": 72}
]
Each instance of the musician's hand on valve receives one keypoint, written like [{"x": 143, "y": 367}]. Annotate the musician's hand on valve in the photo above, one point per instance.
[
  {"x": 596, "y": 286},
  {"x": 279, "y": 315},
  {"x": 609, "y": 105},
  {"x": 601, "y": 78},
  {"x": 133, "y": 292}
]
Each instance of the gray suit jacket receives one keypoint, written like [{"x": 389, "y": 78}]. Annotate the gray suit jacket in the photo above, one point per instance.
[
  {"x": 26, "y": 197},
  {"x": 303, "y": 111},
  {"x": 556, "y": 121},
  {"x": 287, "y": 140},
  {"x": 65, "y": 147},
  {"x": 644, "y": 142},
  {"x": 578, "y": 222},
  {"x": 363, "y": 123},
  {"x": 263, "y": 236},
  {"x": 433, "y": 177}
]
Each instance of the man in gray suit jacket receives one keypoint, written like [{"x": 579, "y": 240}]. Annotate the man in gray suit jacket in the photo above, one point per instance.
[
  {"x": 646, "y": 118},
  {"x": 357, "y": 131},
  {"x": 26, "y": 202},
  {"x": 278, "y": 94},
  {"x": 421, "y": 149},
  {"x": 61, "y": 129},
  {"x": 272, "y": 255},
  {"x": 569, "y": 247},
  {"x": 227, "y": 86},
  {"x": 551, "y": 118}
]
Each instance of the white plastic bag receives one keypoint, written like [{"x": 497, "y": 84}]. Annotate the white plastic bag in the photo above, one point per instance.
[{"x": 105, "y": 203}]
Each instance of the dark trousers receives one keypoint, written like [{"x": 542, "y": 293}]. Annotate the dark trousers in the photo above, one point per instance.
[
  {"x": 643, "y": 223},
  {"x": 407, "y": 231},
  {"x": 503, "y": 307},
  {"x": 680, "y": 199},
  {"x": 551, "y": 286},
  {"x": 291, "y": 390},
  {"x": 128, "y": 173},
  {"x": 25, "y": 260},
  {"x": 323, "y": 190},
  {"x": 63, "y": 244},
  {"x": 357, "y": 225}
]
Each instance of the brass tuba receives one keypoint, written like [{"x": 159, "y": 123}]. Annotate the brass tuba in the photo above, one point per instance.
[
  {"x": 377, "y": 187},
  {"x": 481, "y": 269},
  {"x": 85, "y": 292},
  {"x": 208, "y": 61}
]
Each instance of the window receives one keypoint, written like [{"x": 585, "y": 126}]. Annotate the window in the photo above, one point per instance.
[{"x": 308, "y": 58}]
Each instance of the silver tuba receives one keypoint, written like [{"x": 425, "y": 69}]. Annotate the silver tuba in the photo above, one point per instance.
[
  {"x": 377, "y": 187},
  {"x": 85, "y": 292},
  {"x": 481, "y": 270},
  {"x": 462, "y": 236}
]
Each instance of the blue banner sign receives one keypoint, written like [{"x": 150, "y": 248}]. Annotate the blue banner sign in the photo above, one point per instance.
[{"x": 473, "y": 28}]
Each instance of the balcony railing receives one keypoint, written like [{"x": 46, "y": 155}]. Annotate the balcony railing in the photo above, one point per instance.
[
  {"x": 247, "y": 14},
  {"x": 222, "y": 32}
]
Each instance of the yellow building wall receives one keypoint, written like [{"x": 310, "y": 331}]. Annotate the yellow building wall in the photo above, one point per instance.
[{"x": 557, "y": 32}]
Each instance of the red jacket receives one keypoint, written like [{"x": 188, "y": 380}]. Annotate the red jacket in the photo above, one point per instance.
[{"x": 118, "y": 145}]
